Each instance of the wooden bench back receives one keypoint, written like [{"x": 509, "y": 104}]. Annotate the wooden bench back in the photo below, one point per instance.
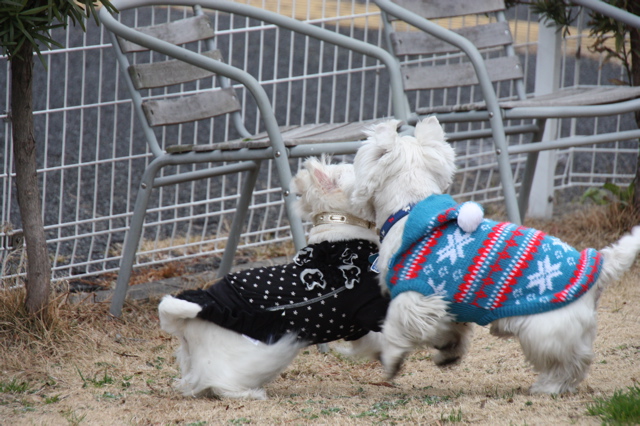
[
  {"x": 486, "y": 36},
  {"x": 184, "y": 108}
]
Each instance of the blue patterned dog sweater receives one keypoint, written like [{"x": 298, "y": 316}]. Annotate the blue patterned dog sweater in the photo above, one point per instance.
[{"x": 499, "y": 270}]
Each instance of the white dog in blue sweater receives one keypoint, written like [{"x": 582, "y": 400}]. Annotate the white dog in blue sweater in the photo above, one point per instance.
[{"x": 446, "y": 266}]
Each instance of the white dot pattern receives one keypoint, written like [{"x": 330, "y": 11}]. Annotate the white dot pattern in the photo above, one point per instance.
[{"x": 309, "y": 283}]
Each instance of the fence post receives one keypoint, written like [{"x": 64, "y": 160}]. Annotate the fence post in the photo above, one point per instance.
[{"x": 548, "y": 70}]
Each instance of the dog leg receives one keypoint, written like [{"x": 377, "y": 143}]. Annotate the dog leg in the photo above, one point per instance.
[
  {"x": 559, "y": 345},
  {"x": 412, "y": 321},
  {"x": 452, "y": 342},
  {"x": 227, "y": 364},
  {"x": 368, "y": 346},
  {"x": 500, "y": 328}
]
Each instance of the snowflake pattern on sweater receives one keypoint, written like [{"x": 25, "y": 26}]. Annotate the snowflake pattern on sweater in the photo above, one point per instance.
[
  {"x": 499, "y": 270},
  {"x": 328, "y": 292}
]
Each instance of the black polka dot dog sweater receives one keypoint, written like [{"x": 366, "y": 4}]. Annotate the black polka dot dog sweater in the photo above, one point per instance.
[{"x": 327, "y": 293}]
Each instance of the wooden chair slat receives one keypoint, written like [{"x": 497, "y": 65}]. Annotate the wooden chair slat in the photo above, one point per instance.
[
  {"x": 207, "y": 104},
  {"x": 435, "y": 9},
  {"x": 463, "y": 74},
  {"x": 176, "y": 32},
  {"x": 420, "y": 43},
  {"x": 168, "y": 73}
]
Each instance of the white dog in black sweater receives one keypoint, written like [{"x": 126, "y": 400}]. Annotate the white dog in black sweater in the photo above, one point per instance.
[{"x": 240, "y": 333}]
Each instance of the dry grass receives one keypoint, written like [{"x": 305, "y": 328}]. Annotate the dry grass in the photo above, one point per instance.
[{"x": 86, "y": 367}]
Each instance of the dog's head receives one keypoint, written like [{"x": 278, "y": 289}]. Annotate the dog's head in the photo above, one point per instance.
[
  {"x": 395, "y": 170},
  {"x": 323, "y": 187}
]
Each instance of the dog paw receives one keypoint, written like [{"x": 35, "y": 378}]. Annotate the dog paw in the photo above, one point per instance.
[
  {"x": 249, "y": 394},
  {"x": 392, "y": 363},
  {"x": 498, "y": 331},
  {"x": 392, "y": 371},
  {"x": 444, "y": 359},
  {"x": 551, "y": 389},
  {"x": 470, "y": 216}
]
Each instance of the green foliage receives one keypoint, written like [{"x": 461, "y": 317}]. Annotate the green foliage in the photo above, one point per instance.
[
  {"x": 14, "y": 386},
  {"x": 72, "y": 417},
  {"x": 31, "y": 21},
  {"x": 111, "y": 395},
  {"x": 610, "y": 193},
  {"x": 96, "y": 381},
  {"x": 52, "y": 399},
  {"x": 381, "y": 409},
  {"x": 602, "y": 28},
  {"x": 558, "y": 12},
  {"x": 158, "y": 363},
  {"x": 433, "y": 399},
  {"x": 455, "y": 416},
  {"x": 623, "y": 408}
]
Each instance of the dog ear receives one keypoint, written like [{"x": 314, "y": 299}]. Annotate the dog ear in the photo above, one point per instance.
[
  {"x": 304, "y": 186},
  {"x": 430, "y": 135},
  {"x": 324, "y": 181},
  {"x": 430, "y": 129},
  {"x": 383, "y": 135},
  {"x": 381, "y": 139},
  {"x": 318, "y": 172},
  {"x": 302, "y": 180}
]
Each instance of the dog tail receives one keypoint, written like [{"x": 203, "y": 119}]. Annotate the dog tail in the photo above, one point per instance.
[
  {"x": 619, "y": 257},
  {"x": 173, "y": 312}
]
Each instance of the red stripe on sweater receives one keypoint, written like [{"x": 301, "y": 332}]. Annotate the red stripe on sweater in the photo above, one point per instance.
[{"x": 474, "y": 269}]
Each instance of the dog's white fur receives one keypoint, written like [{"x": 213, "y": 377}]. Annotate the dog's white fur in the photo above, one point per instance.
[
  {"x": 220, "y": 362},
  {"x": 393, "y": 171}
]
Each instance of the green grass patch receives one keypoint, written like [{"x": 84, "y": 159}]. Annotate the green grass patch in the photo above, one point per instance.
[
  {"x": 381, "y": 409},
  {"x": 73, "y": 417},
  {"x": 622, "y": 408},
  {"x": 455, "y": 416},
  {"x": 52, "y": 399},
  {"x": 95, "y": 381},
  {"x": 434, "y": 399},
  {"x": 14, "y": 386}
]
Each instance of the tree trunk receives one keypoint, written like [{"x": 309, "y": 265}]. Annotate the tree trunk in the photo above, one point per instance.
[
  {"x": 24, "y": 152},
  {"x": 634, "y": 33}
]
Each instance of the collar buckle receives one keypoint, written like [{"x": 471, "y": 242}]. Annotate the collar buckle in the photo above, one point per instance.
[{"x": 325, "y": 218}]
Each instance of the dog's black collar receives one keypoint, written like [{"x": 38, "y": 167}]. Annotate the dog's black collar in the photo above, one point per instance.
[{"x": 393, "y": 219}]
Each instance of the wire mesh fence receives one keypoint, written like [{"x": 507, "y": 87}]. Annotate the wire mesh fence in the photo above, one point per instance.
[{"x": 91, "y": 153}]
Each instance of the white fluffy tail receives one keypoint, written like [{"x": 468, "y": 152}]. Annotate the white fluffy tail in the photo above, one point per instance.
[
  {"x": 619, "y": 257},
  {"x": 173, "y": 312}
]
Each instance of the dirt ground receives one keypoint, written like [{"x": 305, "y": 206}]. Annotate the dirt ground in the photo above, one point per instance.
[{"x": 102, "y": 370}]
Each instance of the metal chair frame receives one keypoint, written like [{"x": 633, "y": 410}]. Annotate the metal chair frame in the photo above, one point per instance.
[
  {"x": 246, "y": 158},
  {"x": 497, "y": 115}
]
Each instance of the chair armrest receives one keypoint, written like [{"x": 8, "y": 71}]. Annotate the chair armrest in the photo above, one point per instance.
[{"x": 398, "y": 99}]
